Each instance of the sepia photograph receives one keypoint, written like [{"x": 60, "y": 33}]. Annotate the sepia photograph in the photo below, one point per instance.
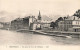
[{"x": 39, "y": 24}]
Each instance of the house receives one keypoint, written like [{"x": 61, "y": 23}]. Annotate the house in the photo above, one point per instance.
[
  {"x": 35, "y": 26},
  {"x": 46, "y": 21},
  {"x": 4, "y": 25},
  {"x": 61, "y": 25},
  {"x": 22, "y": 23},
  {"x": 76, "y": 24},
  {"x": 16, "y": 24},
  {"x": 1, "y": 25},
  {"x": 31, "y": 23},
  {"x": 41, "y": 22},
  {"x": 70, "y": 23}
]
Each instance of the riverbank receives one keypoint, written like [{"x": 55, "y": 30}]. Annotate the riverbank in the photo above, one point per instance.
[
  {"x": 53, "y": 33},
  {"x": 58, "y": 33}
]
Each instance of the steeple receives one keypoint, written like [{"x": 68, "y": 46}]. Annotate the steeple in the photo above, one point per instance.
[{"x": 39, "y": 16}]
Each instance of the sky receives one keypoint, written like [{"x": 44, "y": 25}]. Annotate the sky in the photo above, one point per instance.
[{"x": 46, "y": 7}]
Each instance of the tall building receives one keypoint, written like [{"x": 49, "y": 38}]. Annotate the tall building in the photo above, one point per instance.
[
  {"x": 41, "y": 23},
  {"x": 39, "y": 17},
  {"x": 36, "y": 25}
]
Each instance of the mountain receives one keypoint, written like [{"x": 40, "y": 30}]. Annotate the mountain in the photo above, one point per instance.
[
  {"x": 7, "y": 17},
  {"x": 44, "y": 17},
  {"x": 55, "y": 17}
]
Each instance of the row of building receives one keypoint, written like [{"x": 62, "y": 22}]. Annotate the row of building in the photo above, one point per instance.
[
  {"x": 4, "y": 25},
  {"x": 30, "y": 23},
  {"x": 70, "y": 23}
]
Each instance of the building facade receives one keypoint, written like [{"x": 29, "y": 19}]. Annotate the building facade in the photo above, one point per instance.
[
  {"x": 1, "y": 25},
  {"x": 76, "y": 25},
  {"x": 22, "y": 23},
  {"x": 36, "y": 25},
  {"x": 30, "y": 23},
  {"x": 42, "y": 22},
  {"x": 70, "y": 24}
]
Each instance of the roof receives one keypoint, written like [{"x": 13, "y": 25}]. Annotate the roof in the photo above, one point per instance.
[{"x": 72, "y": 18}]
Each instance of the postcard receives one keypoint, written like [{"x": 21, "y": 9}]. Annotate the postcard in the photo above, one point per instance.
[{"x": 39, "y": 24}]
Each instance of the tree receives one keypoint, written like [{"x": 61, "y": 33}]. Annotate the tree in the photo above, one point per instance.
[
  {"x": 59, "y": 19},
  {"x": 52, "y": 24},
  {"x": 77, "y": 13},
  {"x": 55, "y": 24}
]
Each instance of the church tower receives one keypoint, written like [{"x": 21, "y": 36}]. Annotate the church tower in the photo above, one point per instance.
[{"x": 39, "y": 17}]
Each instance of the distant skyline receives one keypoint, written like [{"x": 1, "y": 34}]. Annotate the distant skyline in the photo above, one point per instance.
[{"x": 46, "y": 7}]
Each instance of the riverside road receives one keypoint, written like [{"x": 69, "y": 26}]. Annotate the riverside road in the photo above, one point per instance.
[{"x": 28, "y": 38}]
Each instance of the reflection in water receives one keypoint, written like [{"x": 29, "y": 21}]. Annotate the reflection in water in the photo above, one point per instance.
[{"x": 17, "y": 38}]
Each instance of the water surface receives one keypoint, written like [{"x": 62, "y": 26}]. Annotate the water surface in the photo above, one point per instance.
[{"x": 28, "y": 38}]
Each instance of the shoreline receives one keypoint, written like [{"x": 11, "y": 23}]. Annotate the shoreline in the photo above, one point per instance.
[
  {"x": 58, "y": 33},
  {"x": 53, "y": 33}
]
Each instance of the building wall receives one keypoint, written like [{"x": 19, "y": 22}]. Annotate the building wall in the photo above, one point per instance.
[
  {"x": 32, "y": 19},
  {"x": 16, "y": 24},
  {"x": 76, "y": 30},
  {"x": 20, "y": 23},
  {"x": 1, "y": 25},
  {"x": 46, "y": 21},
  {"x": 69, "y": 25},
  {"x": 45, "y": 25},
  {"x": 76, "y": 22},
  {"x": 25, "y": 23},
  {"x": 6, "y": 25},
  {"x": 65, "y": 25},
  {"x": 76, "y": 25},
  {"x": 61, "y": 25},
  {"x": 35, "y": 26}
]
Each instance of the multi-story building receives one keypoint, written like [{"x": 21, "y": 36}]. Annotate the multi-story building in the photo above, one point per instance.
[
  {"x": 36, "y": 25},
  {"x": 61, "y": 25},
  {"x": 30, "y": 22},
  {"x": 46, "y": 21},
  {"x": 69, "y": 24},
  {"x": 42, "y": 22},
  {"x": 22, "y": 23},
  {"x": 76, "y": 25}
]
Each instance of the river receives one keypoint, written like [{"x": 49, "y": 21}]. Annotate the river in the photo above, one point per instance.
[{"x": 28, "y": 38}]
